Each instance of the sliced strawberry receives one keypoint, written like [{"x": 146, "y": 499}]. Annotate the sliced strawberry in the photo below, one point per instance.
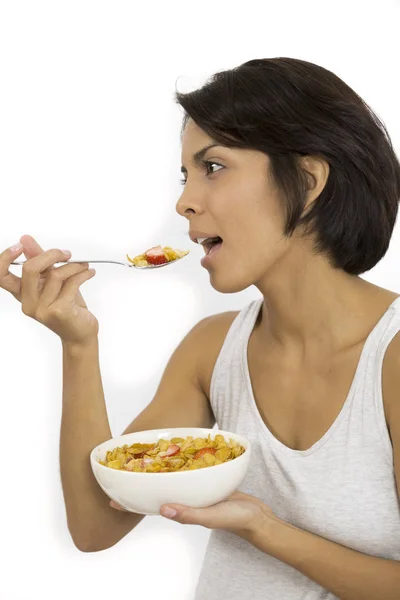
[
  {"x": 156, "y": 256},
  {"x": 156, "y": 260},
  {"x": 203, "y": 451},
  {"x": 171, "y": 451}
]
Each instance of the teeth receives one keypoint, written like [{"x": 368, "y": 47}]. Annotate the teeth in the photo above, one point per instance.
[{"x": 202, "y": 240}]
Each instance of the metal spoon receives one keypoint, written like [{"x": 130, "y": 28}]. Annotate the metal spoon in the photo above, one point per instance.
[{"x": 114, "y": 262}]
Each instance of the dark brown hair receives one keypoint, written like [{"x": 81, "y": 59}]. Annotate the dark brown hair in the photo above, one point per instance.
[{"x": 288, "y": 108}]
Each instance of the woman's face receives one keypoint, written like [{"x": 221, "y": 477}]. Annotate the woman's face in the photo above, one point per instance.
[{"x": 236, "y": 200}]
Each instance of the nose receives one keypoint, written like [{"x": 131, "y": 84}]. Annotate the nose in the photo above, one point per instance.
[{"x": 184, "y": 208}]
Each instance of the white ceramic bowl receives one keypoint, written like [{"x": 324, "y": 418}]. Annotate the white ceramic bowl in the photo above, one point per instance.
[{"x": 145, "y": 493}]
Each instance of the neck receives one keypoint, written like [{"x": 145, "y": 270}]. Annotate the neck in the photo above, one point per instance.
[{"x": 312, "y": 309}]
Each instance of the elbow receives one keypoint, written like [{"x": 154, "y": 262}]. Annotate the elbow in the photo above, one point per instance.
[
  {"x": 86, "y": 548},
  {"x": 87, "y": 545}
]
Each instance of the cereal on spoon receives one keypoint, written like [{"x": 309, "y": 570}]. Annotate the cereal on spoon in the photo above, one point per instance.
[{"x": 157, "y": 255}]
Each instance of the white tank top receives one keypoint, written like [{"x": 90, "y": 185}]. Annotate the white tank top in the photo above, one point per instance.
[{"x": 343, "y": 488}]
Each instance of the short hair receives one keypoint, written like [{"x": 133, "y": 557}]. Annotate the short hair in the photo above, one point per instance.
[{"x": 289, "y": 108}]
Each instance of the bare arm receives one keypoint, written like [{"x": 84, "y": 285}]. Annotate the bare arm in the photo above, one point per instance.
[
  {"x": 348, "y": 574},
  {"x": 179, "y": 402},
  {"x": 84, "y": 425}
]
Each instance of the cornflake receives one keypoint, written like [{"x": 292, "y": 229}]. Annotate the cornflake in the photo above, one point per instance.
[{"x": 176, "y": 454}]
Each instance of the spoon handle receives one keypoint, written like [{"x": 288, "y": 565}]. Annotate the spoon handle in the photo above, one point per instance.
[{"x": 63, "y": 262}]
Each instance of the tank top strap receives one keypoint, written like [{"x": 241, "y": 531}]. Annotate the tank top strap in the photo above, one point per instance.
[
  {"x": 230, "y": 354},
  {"x": 368, "y": 397},
  {"x": 385, "y": 330},
  {"x": 377, "y": 342}
]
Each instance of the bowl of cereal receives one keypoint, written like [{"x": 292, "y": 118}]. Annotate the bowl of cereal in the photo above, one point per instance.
[{"x": 192, "y": 466}]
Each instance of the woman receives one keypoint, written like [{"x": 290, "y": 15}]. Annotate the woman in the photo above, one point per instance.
[{"x": 302, "y": 185}]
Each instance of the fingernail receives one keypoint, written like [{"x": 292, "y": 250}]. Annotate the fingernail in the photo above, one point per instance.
[
  {"x": 170, "y": 513},
  {"x": 66, "y": 252},
  {"x": 16, "y": 248},
  {"x": 117, "y": 506}
]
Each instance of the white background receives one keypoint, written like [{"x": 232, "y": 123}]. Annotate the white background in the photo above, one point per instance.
[{"x": 90, "y": 161}]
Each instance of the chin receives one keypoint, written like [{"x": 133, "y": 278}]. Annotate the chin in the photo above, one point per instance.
[{"x": 228, "y": 283}]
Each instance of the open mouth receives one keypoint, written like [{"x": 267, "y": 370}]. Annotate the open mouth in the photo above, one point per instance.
[{"x": 212, "y": 243}]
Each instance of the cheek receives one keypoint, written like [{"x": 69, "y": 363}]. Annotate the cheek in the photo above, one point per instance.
[
  {"x": 271, "y": 218},
  {"x": 250, "y": 213},
  {"x": 264, "y": 231}
]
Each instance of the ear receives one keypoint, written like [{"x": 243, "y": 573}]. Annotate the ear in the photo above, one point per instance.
[{"x": 317, "y": 172}]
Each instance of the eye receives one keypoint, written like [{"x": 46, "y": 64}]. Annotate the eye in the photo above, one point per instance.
[{"x": 205, "y": 163}]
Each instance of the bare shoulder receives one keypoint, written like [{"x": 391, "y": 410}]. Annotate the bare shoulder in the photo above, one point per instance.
[{"x": 214, "y": 330}]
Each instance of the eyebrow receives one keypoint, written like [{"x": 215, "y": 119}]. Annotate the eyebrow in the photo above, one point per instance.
[{"x": 198, "y": 156}]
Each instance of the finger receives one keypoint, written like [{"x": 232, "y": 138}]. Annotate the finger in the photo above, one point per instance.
[
  {"x": 117, "y": 506},
  {"x": 31, "y": 247},
  {"x": 207, "y": 517},
  {"x": 70, "y": 289},
  {"x": 31, "y": 284},
  {"x": 8, "y": 281},
  {"x": 58, "y": 279},
  {"x": 238, "y": 496}
]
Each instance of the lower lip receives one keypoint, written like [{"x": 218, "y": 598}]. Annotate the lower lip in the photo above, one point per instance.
[{"x": 208, "y": 258}]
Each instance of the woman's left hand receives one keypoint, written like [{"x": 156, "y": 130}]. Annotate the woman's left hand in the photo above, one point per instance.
[{"x": 240, "y": 513}]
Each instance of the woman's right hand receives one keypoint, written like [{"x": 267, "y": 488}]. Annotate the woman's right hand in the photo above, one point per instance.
[{"x": 50, "y": 294}]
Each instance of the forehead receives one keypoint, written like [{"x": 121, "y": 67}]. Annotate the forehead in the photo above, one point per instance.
[
  {"x": 195, "y": 143},
  {"x": 193, "y": 137}
]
